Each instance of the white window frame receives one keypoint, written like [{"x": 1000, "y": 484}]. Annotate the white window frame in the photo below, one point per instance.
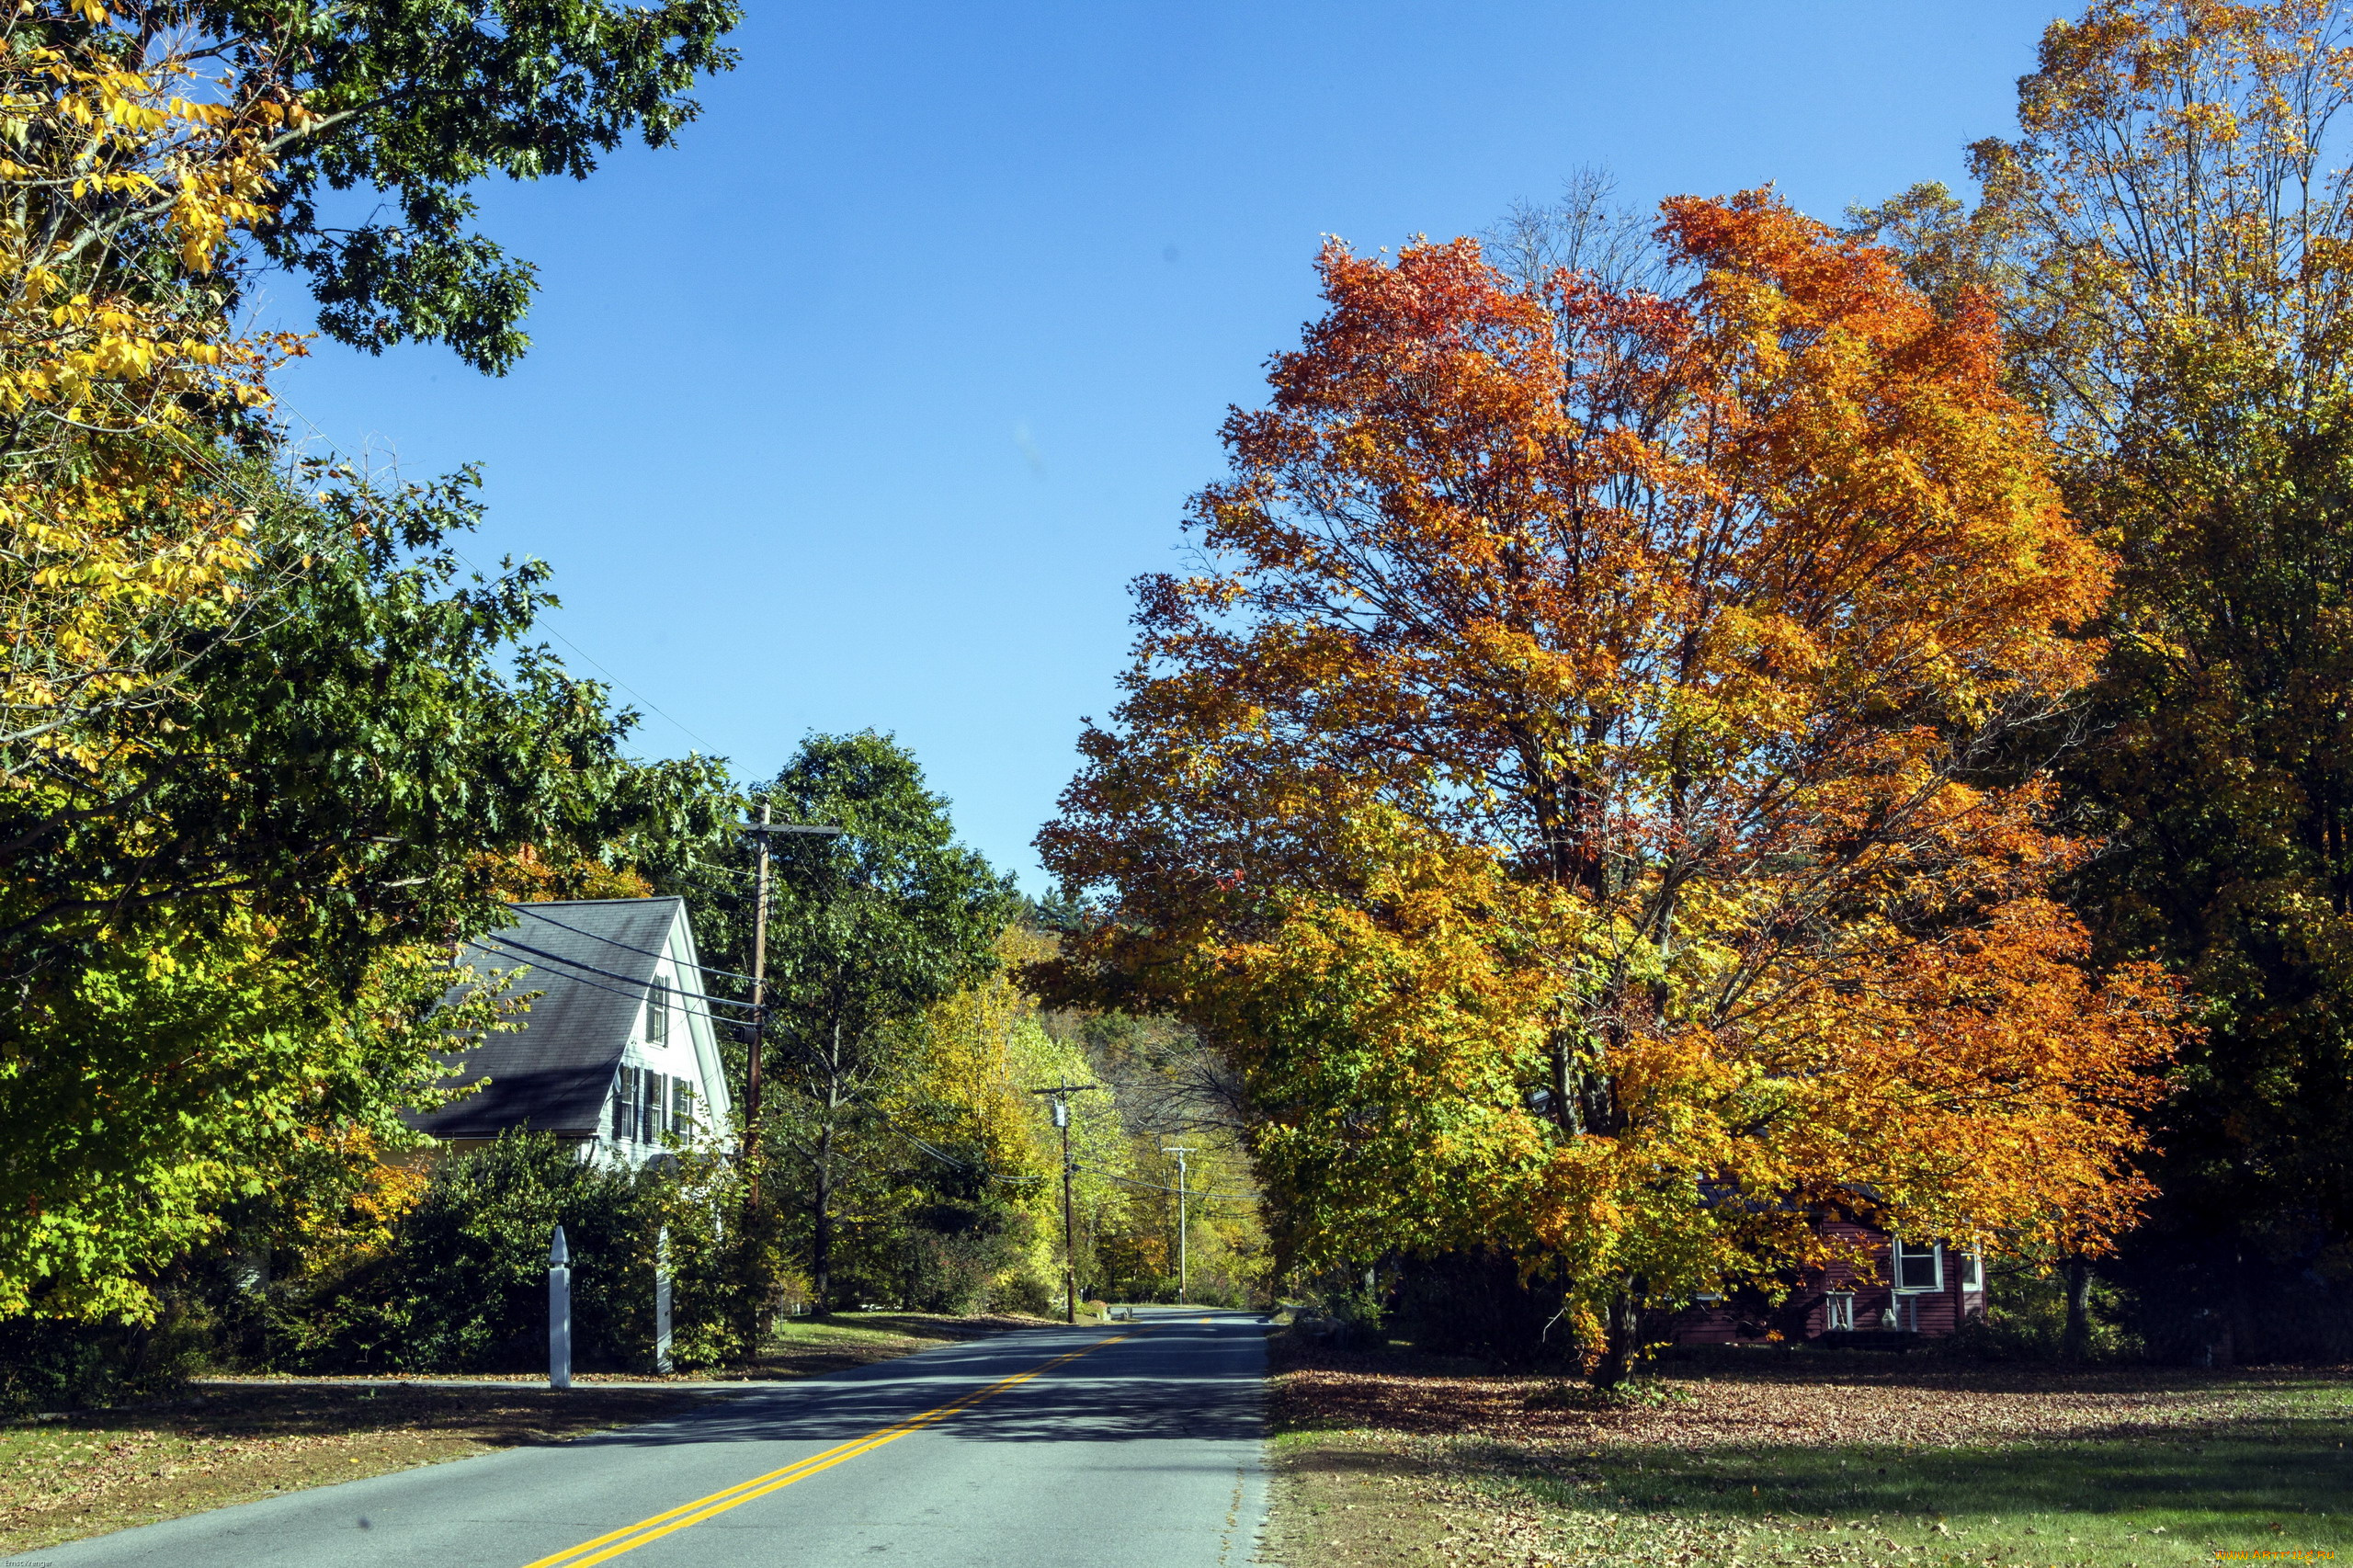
[
  {"x": 657, "y": 1012},
  {"x": 625, "y": 1092},
  {"x": 1838, "y": 1316},
  {"x": 1972, "y": 1272},
  {"x": 1895, "y": 1266}
]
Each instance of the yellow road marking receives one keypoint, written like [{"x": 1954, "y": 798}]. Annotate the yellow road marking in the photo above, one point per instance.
[{"x": 629, "y": 1538}]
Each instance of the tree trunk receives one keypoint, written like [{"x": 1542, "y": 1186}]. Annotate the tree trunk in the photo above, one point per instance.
[
  {"x": 2075, "y": 1341},
  {"x": 1621, "y": 1345},
  {"x": 821, "y": 1240}
]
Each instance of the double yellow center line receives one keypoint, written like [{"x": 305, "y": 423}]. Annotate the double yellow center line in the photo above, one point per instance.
[{"x": 628, "y": 1539}]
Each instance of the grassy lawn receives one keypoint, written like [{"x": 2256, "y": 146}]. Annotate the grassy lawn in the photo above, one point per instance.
[
  {"x": 805, "y": 1348},
  {"x": 82, "y": 1475},
  {"x": 1842, "y": 1461}
]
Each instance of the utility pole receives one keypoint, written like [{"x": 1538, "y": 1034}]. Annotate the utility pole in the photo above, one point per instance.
[
  {"x": 1184, "y": 1287},
  {"x": 764, "y": 829},
  {"x": 1061, "y": 1093},
  {"x": 759, "y": 1007}
]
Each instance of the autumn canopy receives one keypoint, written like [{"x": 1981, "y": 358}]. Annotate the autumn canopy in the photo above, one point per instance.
[{"x": 1593, "y": 789}]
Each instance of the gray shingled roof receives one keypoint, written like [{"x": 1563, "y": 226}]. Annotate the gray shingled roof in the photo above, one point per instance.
[{"x": 555, "y": 1073}]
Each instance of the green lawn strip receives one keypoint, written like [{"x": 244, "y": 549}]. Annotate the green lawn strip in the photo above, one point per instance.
[
  {"x": 2281, "y": 1484},
  {"x": 802, "y": 1347},
  {"x": 2273, "y": 1475}
]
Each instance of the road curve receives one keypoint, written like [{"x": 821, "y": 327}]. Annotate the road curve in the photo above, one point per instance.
[{"x": 1061, "y": 1447}]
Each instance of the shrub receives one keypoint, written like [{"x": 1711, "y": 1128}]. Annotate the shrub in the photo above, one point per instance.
[
  {"x": 1022, "y": 1291},
  {"x": 2026, "y": 1319},
  {"x": 463, "y": 1285},
  {"x": 68, "y": 1364}
]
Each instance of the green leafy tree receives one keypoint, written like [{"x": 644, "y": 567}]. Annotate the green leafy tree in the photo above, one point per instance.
[
  {"x": 2174, "y": 258},
  {"x": 268, "y": 752},
  {"x": 865, "y": 932},
  {"x": 225, "y": 922},
  {"x": 407, "y": 105}
]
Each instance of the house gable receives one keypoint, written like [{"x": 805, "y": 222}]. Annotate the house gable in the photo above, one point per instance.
[
  {"x": 592, "y": 965},
  {"x": 681, "y": 1054}
]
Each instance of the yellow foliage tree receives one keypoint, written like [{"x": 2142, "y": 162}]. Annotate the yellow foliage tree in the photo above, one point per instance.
[
  {"x": 974, "y": 1061},
  {"x": 125, "y": 179}
]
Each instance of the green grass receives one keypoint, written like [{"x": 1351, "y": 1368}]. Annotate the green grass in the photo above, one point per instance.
[
  {"x": 808, "y": 1346},
  {"x": 841, "y": 1329},
  {"x": 2280, "y": 1482}
]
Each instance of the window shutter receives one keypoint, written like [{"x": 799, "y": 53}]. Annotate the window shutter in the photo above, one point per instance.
[{"x": 685, "y": 1106}]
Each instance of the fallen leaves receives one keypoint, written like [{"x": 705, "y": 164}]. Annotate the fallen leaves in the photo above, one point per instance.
[
  {"x": 1456, "y": 1468},
  {"x": 1903, "y": 1403}
]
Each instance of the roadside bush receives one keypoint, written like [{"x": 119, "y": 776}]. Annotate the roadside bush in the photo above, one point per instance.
[
  {"x": 2026, "y": 1319},
  {"x": 730, "y": 1278},
  {"x": 47, "y": 1366},
  {"x": 462, "y": 1287},
  {"x": 1358, "y": 1309},
  {"x": 1474, "y": 1302},
  {"x": 1021, "y": 1291}
]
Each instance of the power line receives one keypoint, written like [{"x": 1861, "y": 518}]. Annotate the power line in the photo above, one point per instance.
[
  {"x": 942, "y": 1156},
  {"x": 609, "y": 974},
  {"x": 1237, "y": 1196},
  {"x": 634, "y": 993},
  {"x": 648, "y": 952}
]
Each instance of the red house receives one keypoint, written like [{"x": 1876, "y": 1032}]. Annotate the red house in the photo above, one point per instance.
[{"x": 1914, "y": 1287}]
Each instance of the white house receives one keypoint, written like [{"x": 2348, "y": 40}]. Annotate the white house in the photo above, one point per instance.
[{"x": 617, "y": 1051}]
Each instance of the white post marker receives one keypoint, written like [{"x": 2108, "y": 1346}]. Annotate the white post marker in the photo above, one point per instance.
[
  {"x": 662, "y": 1300},
  {"x": 559, "y": 1314}
]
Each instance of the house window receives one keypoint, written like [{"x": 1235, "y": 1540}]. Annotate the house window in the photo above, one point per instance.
[
  {"x": 650, "y": 1108},
  {"x": 1841, "y": 1314},
  {"x": 1973, "y": 1271},
  {"x": 657, "y": 1013},
  {"x": 682, "y": 1107},
  {"x": 625, "y": 1107},
  {"x": 1920, "y": 1265}
]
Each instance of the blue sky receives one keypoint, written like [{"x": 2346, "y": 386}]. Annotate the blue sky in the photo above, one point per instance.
[{"x": 861, "y": 407}]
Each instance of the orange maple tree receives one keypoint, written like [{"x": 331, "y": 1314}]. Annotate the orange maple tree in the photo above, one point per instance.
[{"x": 1592, "y": 788}]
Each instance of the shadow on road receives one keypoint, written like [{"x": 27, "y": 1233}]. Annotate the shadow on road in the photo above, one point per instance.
[{"x": 1178, "y": 1380}]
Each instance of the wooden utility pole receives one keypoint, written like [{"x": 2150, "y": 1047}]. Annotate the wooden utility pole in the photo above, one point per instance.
[
  {"x": 1061, "y": 1093},
  {"x": 764, "y": 830},
  {"x": 1184, "y": 1275},
  {"x": 759, "y": 1006}
]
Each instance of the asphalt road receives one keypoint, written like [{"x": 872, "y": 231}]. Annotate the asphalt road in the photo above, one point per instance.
[{"x": 1136, "y": 1445}]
